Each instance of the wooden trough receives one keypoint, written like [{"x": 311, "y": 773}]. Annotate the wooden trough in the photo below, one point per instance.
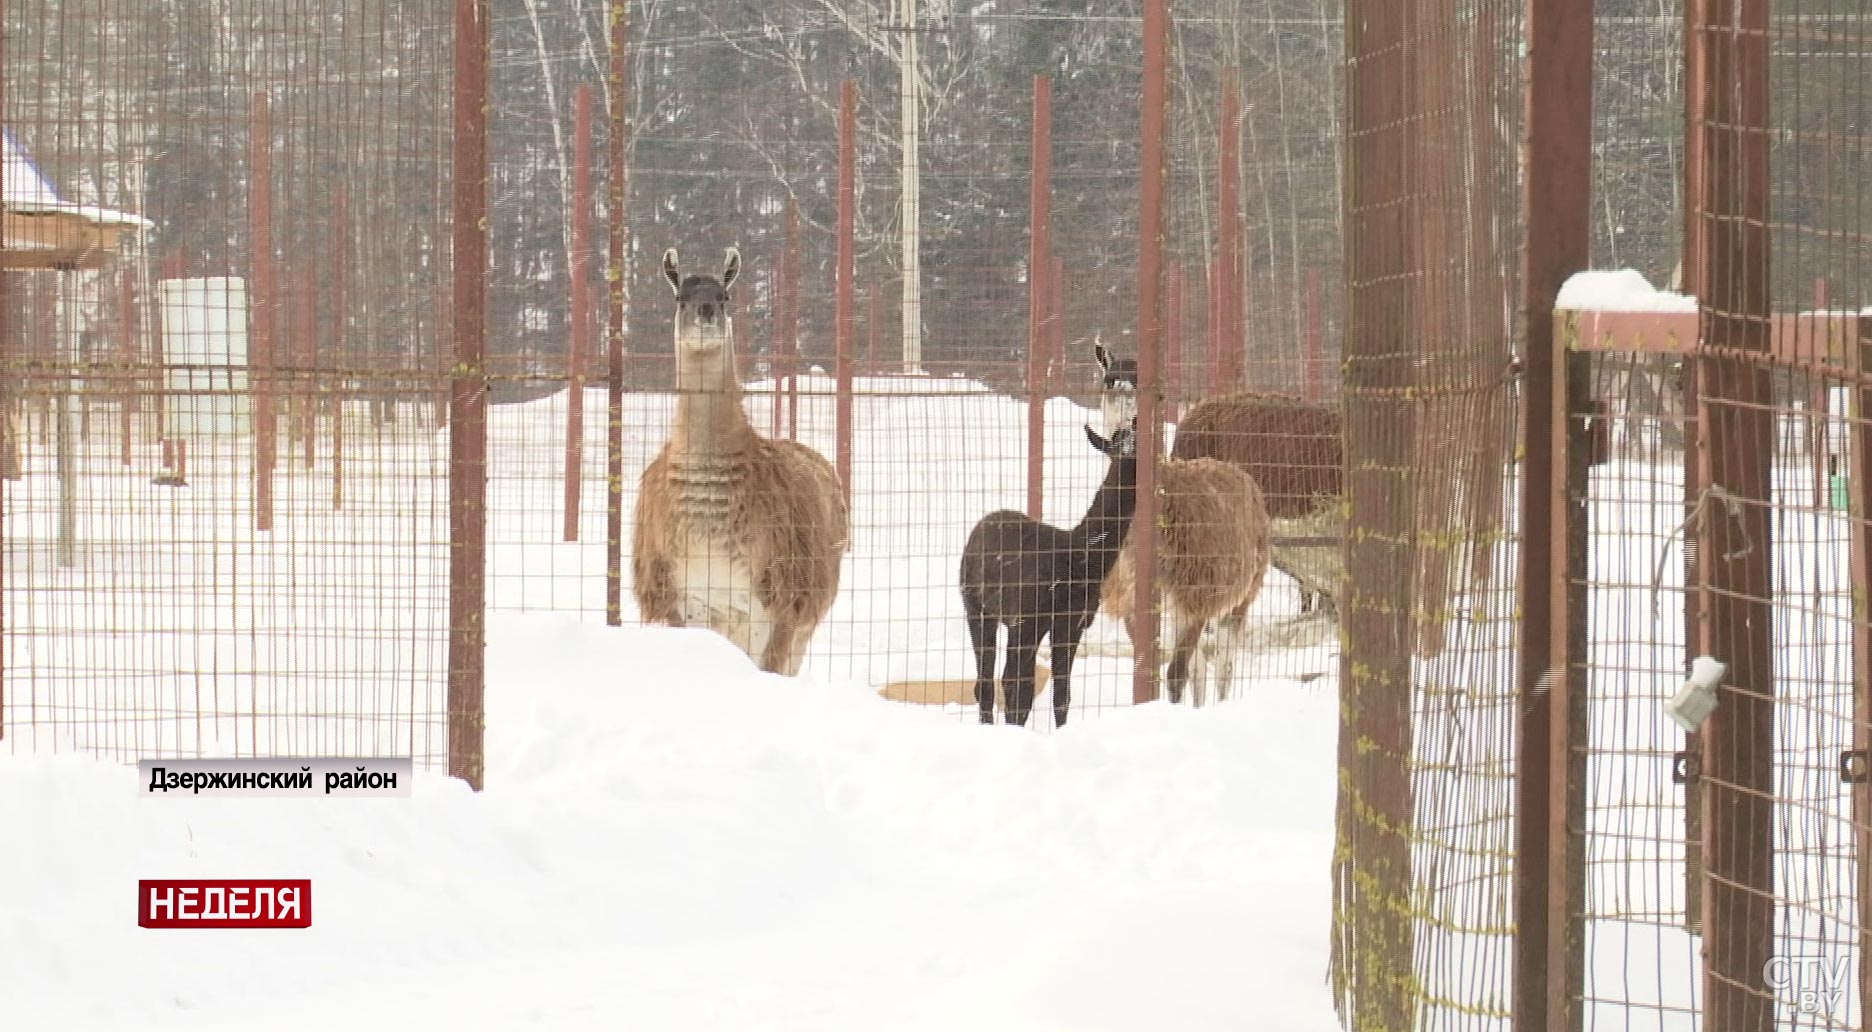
[{"x": 959, "y": 691}]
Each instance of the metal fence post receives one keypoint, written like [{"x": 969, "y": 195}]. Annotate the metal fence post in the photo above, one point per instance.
[
  {"x": 1549, "y": 789},
  {"x": 578, "y": 339},
  {"x": 1372, "y": 968},
  {"x": 468, "y": 402},
  {"x": 1732, "y": 288},
  {"x": 1039, "y": 264},
  {"x": 264, "y": 305},
  {"x": 616, "y": 182},
  {"x": 843, "y": 286},
  {"x": 1144, "y": 536}
]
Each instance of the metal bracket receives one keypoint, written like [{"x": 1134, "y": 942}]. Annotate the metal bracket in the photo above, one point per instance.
[
  {"x": 1686, "y": 766},
  {"x": 1854, "y": 768}
]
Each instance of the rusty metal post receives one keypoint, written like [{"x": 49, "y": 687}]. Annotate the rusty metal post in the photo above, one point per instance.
[
  {"x": 9, "y": 438},
  {"x": 791, "y": 325},
  {"x": 1818, "y": 408},
  {"x": 1315, "y": 372},
  {"x": 1229, "y": 236},
  {"x": 263, "y": 301},
  {"x": 578, "y": 340},
  {"x": 1372, "y": 962},
  {"x": 1696, "y": 457},
  {"x": 1056, "y": 320},
  {"x": 1549, "y": 947},
  {"x": 1144, "y": 536},
  {"x": 776, "y": 352},
  {"x": 1732, "y": 288},
  {"x": 1212, "y": 314},
  {"x": 1039, "y": 264},
  {"x": 616, "y": 181},
  {"x": 1858, "y": 470},
  {"x": 468, "y": 402},
  {"x": 843, "y": 286}
]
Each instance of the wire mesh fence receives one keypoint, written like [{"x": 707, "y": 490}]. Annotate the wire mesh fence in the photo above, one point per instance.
[
  {"x": 225, "y": 254},
  {"x": 1722, "y": 881},
  {"x": 886, "y": 400}
]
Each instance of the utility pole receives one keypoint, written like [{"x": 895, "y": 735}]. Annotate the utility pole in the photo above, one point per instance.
[{"x": 912, "y": 204}]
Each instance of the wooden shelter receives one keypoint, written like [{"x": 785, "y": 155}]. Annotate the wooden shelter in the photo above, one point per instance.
[{"x": 44, "y": 231}]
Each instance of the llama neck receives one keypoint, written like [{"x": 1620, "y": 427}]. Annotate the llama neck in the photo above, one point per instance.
[
  {"x": 1102, "y": 530},
  {"x": 711, "y": 428},
  {"x": 711, "y": 437}
]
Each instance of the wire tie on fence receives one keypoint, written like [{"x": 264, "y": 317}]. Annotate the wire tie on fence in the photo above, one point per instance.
[{"x": 1697, "y": 513}]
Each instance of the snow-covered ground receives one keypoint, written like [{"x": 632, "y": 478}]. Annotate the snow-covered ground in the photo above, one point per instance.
[
  {"x": 328, "y": 633},
  {"x": 671, "y": 839}
]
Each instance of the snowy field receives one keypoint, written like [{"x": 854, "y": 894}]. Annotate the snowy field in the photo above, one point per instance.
[
  {"x": 328, "y": 633},
  {"x": 747, "y": 852},
  {"x": 669, "y": 838}
]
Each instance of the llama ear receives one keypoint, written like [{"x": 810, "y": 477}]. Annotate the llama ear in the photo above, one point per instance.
[
  {"x": 1103, "y": 356},
  {"x": 670, "y": 271},
  {"x": 731, "y": 267},
  {"x": 1098, "y": 442}
]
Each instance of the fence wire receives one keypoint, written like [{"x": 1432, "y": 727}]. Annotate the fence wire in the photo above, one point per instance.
[
  {"x": 1724, "y": 871},
  {"x": 226, "y": 247}
]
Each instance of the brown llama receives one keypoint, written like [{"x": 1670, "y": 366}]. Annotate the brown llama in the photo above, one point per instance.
[
  {"x": 1214, "y": 546},
  {"x": 1042, "y": 583},
  {"x": 734, "y": 531},
  {"x": 1293, "y": 449}
]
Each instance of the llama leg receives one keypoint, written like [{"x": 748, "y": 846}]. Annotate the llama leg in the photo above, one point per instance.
[
  {"x": 1185, "y": 632},
  {"x": 778, "y": 642},
  {"x": 1202, "y": 663},
  {"x": 983, "y": 631},
  {"x": 771, "y": 641},
  {"x": 802, "y": 637},
  {"x": 1066, "y": 636},
  {"x": 1017, "y": 678},
  {"x": 1231, "y": 634}
]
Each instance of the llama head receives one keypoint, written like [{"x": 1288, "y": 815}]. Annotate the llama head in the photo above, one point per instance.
[
  {"x": 1121, "y": 444},
  {"x": 704, "y": 328},
  {"x": 1117, "y": 388}
]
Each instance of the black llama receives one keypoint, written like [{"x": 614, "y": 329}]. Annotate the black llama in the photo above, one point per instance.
[{"x": 1043, "y": 583}]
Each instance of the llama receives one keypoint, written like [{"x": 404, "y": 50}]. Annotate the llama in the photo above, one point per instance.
[
  {"x": 734, "y": 531},
  {"x": 1043, "y": 583},
  {"x": 1292, "y": 448},
  {"x": 1214, "y": 548}
]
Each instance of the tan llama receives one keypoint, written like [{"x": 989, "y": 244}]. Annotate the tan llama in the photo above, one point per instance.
[
  {"x": 1215, "y": 543},
  {"x": 734, "y": 531}
]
